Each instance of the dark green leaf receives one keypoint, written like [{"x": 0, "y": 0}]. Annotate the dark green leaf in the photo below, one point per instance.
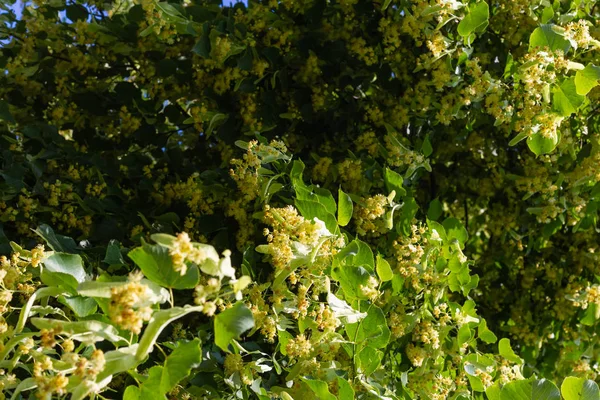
[
  {"x": 56, "y": 242},
  {"x": 544, "y": 389},
  {"x": 113, "y": 254},
  {"x": 5, "y": 112},
  {"x": 426, "y": 148},
  {"x": 76, "y": 12},
  {"x": 435, "y": 210}
]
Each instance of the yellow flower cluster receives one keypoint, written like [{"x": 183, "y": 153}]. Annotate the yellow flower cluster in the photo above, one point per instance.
[
  {"x": 129, "y": 304},
  {"x": 369, "y": 216},
  {"x": 299, "y": 347},
  {"x": 578, "y": 33},
  {"x": 245, "y": 172},
  {"x": 183, "y": 251},
  {"x": 293, "y": 236}
]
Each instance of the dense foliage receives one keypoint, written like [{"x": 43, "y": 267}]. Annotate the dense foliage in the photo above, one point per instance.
[{"x": 300, "y": 199}]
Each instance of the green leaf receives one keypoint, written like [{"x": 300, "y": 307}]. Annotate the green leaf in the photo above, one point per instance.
[
  {"x": 158, "y": 322},
  {"x": 547, "y": 36},
  {"x": 485, "y": 334},
  {"x": 476, "y": 383},
  {"x": 212, "y": 265},
  {"x": 394, "y": 181},
  {"x": 119, "y": 360},
  {"x": 369, "y": 359},
  {"x": 343, "y": 311},
  {"x": 544, "y": 389},
  {"x": 216, "y": 120},
  {"x": 565, "y": 100},
  {"x": 345, "y": 391},
  {"x": 516, "y": 390},
  {"x": 170, "y": 12},
  {"x": 310, "y": 192},
  {"x": 164, "y": 239},
  {"x": 344, "y": 208},
  {"x": 202, "y": 47},
  {"x": 5, "y": 112},
  {"x": 62, "y": 269},
  {"x": 59, "y": 279},
  {"x": 131, "y": 393},
  {"x": 464, "y": 334},
  {"x": 37, "y": 295},
  {"x": 319, "y": 388},
  {"x": 99, "y": 289},
  {"x": 407, "y": 213},
  {"x": 435, "y": 210},
  {"x": 384, "y": 270},
  {"x": 151, "y": 388},
  {"x": 493, "y": 392},
  {"x": 84, "y": 390},
  {"x": 312, "y": 209},
  {"x": 315, "y": 194},
  {"x": 547, "y": 14},
  {"x": 540, "y": 144},
  {"x": 231, "y": 323},
  {"x": 507, "y": 352},
  {"x": 355, "y": 254},
  {"x": 89, "y": 331},
  {"x": 373, "y": 330},
  {"x": 351, "y": 278},
  {"x": 455, "y": 230},
  {"x": 81, "y": 306},
  {"x": 76, "y": 12},
  {"x": 179, "y": 364},
  {"x": 157, "y": 265},
  {"x": 363, "y": 256},
  {"x": 574, "y": 388},
  {"x": 24, "y": 385},
  {"x": 590, "y": 390},
  {"x": 426, "y": 148},
  {"x": 56, "y": 242},
  {"x": 586, "y": 79},
  {"x": 113, "y": 254},
  {"x": 476, "y": 19},
  {"x": 518, "y": 138}
]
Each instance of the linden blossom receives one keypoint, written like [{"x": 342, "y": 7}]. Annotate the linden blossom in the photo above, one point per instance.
[{"x": 385, "y": 174}]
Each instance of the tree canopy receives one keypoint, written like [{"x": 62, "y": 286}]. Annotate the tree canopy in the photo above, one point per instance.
[{"x": 300, "y": 199}]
